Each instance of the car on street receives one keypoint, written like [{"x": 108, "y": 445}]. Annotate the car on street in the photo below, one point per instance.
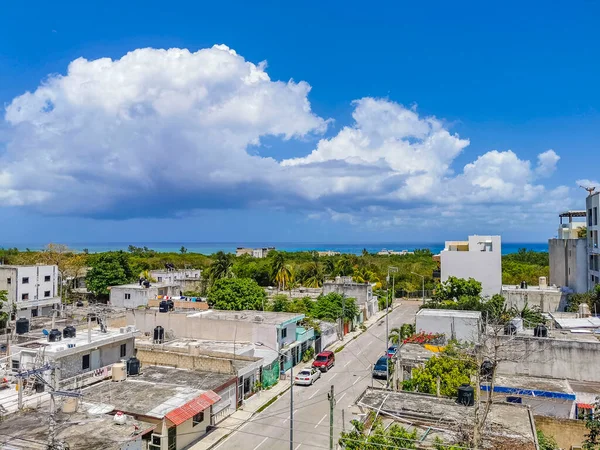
[
  {"x": 307, "y": 376},
  {"x": 380, "y": 369},
  {"x": 324, "y": 361},
  {"x": 391, "y": 352}
]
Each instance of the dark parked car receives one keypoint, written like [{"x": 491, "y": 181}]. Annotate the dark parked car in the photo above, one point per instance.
[{"x": 380, "y": 370}]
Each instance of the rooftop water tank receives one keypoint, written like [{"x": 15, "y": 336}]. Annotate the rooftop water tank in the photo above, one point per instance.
[
  {"x": 119, "y": 372},
  {"x": 163, "y": 306},
  {"x": 540, "y": 331},
  {"x": 69, "y": 332},
  {"x": 510, "y": 329},
  {"x": 133, "y": 366},
  {"x": 159, "y": 335},
  {"x": 120, "y": 418},
  {"x": 70, "y": 404},
  {"x": 22, "y": 325},
  {"x": 487, "y": 370},
  {"x": 171, "y": 305},
  {"x": 466, "y": 395},
  {"x": 54, "y": 335}
]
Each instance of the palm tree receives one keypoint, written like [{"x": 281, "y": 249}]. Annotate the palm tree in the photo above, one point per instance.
[
  {"x": 344, "y": 266},
  {"x": 281, "y": 272},
  {"x": 313, "y": 275},
  {"x": 220, "y": 267},
  {"x": 328, "y": 267},
  {"x": 399, "y": 334}
]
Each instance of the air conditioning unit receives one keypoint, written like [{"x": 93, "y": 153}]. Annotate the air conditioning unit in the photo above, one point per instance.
[
  {"x": 122, "y": 330},
  {"x": 130, "y": 328}
]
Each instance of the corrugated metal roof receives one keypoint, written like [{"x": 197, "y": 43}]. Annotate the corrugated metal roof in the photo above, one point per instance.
[
  {"x": 193, "y": 407},
  {"x": 582, "y": 322}
]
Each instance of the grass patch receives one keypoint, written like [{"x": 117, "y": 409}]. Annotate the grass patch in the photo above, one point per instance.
[
  {"x": 339, "y": 349},
  {"x": 266, "y": 405}
]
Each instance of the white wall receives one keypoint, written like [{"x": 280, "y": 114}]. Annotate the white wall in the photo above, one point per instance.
[
  {"x": 186, "y": 433},
  {"x": 483, "y": 266},
  {"x": 463, "y": 328},
  {"x": 41, "y": 288},
  {"x": 568, "y": 263},
  {"x": 546, "y": 300}
]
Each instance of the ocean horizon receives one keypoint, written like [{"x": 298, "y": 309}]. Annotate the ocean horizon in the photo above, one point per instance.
[{"x": 208, "y": 248}]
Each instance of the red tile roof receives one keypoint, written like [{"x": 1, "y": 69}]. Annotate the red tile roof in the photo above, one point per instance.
[{"x": 193, "y": 407}]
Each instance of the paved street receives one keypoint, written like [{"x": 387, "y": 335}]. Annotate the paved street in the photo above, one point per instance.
[{"x": 350, "y": 376}]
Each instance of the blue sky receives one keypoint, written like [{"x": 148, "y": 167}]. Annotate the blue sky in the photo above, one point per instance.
[{"x": 406, "y": 105}]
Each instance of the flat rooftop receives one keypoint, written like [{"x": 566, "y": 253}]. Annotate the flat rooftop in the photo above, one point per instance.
[
  {"x": 506, "y": 421},
  {"x": 518, "y": 288},
  {"x": 578, "y": 322},
  {"x": 155, "y": 392},
  {"x": 269, "y": 317},
  {"x": 414, "y": 352},
  {"x": 141, "y": 286},
  {"x": 34, "y": 341},
  {"x": 533, "y": 383},
  {"x": 449, "y": 313},
  {"x": 81, "y": 430},
  {"x": 227, "y": 347}
]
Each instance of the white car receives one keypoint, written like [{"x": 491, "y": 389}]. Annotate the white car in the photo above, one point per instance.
[{"x": 307, "y": 376}]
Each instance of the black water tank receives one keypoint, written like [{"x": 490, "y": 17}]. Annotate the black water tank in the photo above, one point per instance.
[
  {"x": 39, "y": 387},
  {"x": 171, "y": 305},
  {"x": 55, "y": 335},
  {"x": 22, "y": 325},
  {"x": 163, "y": 306},
  {"x": 159, "y": 334},
  {"x": 540, "y": 331},
  {"x": 133, "y": 366},
  {"x": 487, "y": 370},
  {"x": 510, "y": 329},
  {"x": 466, "y": 395},
  {"x": 69, "y": 332}
]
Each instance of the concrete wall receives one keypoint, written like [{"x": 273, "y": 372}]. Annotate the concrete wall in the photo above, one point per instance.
[
  {"x": 483, "y": 266},
  {"x": 593, "y": 236},
  {"x": 546, "y": 300},
  {"x": 548, "y": 357},
  {"x": 361, "y": 292},
  {"x": 461, "y": 328},
  {"x": 183, "y": 326},
  {"x": 187, "y": 433},
  {"x": 568, "y": 263},
  {"x": 290, "y": 335},
  {"x": 185, "y": 361},
  {"x": 567, "y": 432},
  {"x": 180, "y": 304},
  {"x": 138, "y": 297}
]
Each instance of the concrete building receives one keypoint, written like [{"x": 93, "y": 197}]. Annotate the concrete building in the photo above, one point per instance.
[
  {"x": 385, "y": 252},
  {"x": 460, "y": 325},
  {"x": 178, "y": 404},
  {"x": 508, "y": 425},
  {"x": 275, "y": 331},
  {"x": 568, "y": 254},
  {"x": 547, "y": 298},
  {"x": 91, "y": 350},
  {"x": 261, "y": 252},
  {"x": 480, "y": 258},
  {"x": 187, "y": 279},
  {"x": 592, "y": 203},
  {"x": 32, "y": 290},
  {"x": 328, "y": 253},
  {"x": 362, "y": 292},
  {"x": 135, "y": 295}
]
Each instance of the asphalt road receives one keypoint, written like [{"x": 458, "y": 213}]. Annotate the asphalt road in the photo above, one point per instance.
[{"x": 350, "y": 376}]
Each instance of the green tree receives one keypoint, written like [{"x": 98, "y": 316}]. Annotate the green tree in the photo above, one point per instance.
[
  {"x": 109, "y": 269},
  {"x": 313, "y": 275},
  {"x": 220, "y": 267},
  {"x": 333, "y": 306},
  {"x": 378, "y": 437},
  {"x": 344, "y": 266},
  {"x": 592, "y": 423},
  {"x": 281, "y": 272},
  {"x": 454, "y": 288},
  {"x": 397, "y": 335},
  {"x": 546, "y": 442},
  {"x": 582, "y": 233},
  {"x": 182, "y": 250},
  {"x": 3, "y": 313},
  {"x": 453, "y": 368},
  {"x": 280, "y": 303},
  {"x": 236, "y": 294},
  {"x": 301, "y": 306}
]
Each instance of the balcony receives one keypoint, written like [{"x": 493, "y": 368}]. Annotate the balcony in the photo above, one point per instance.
[{"x": 303, "y": 334}]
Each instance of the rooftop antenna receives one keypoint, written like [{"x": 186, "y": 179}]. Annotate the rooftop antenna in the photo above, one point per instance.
[{"x": 589, "y": 189}]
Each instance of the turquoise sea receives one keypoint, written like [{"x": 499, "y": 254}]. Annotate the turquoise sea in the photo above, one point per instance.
[{"x": 213, "y": 247}]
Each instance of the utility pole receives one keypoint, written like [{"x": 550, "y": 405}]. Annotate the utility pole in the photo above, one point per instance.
[
  {"x": 387, "y": 331},
  {"x": 291, "y": 402},
  {"x": 331, "y": 398}
]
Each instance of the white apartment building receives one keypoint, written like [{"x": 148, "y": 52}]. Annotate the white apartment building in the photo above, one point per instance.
[
  {"x": 592, "y": 203},
  {"x": 479, "y": 258},
  {"x": 261, "y": 252},
  {"x": 32, "y": 290}
]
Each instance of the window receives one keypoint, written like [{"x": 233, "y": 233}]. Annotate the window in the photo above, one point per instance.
[
  {"x": 25, "y": 280},
  {"x": 47, "y": 278},
  {"x": 127, "y": 296},
  {"x": 198, "y": 419},
  {"x": 24, "y": 296},
  {"x": 172, "y": 436},
  {"x": 123, "y": 350},
  {"x": 15, "y": 364},
  {"x": 595, "y": 215},
  {"x": 283, "y": 333},
  {"x": 34, "y": 312},
  {"x": 85, "y": 362},
  {"x": 159, "y": 279},
  {"x": 589, "y": 217},
  {"x": 46, "y": 293},
  {"x": 584, "y": 411},
  {"x": 8, "y": 281}
]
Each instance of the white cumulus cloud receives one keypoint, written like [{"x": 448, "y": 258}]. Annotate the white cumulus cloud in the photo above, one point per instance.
[{"x": 161, "y": 132}]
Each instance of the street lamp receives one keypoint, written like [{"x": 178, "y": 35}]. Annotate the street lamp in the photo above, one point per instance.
[
  {"x": 260, "y": 344},
  {"x": 419, "y": 275},
  {"x": 393, "y": 270}
]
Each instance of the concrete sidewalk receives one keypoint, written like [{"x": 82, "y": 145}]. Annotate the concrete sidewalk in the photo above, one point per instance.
[{"x": 251, "y": 406}]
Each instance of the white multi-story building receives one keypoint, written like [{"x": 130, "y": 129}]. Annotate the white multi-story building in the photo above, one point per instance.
[
  {"x": 568, "y": 253},
  {"x": 592, "y": 203},
  {"x": 261, "y": 252},
  {"x": 479, "y": 258},
  {"x": 31, "y": 290}
]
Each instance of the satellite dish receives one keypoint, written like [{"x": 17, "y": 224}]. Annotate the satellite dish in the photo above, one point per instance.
[{"x": 45, "y": 332}]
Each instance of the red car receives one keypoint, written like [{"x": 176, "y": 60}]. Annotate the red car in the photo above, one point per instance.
[{"x": 324, "y": 361}]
